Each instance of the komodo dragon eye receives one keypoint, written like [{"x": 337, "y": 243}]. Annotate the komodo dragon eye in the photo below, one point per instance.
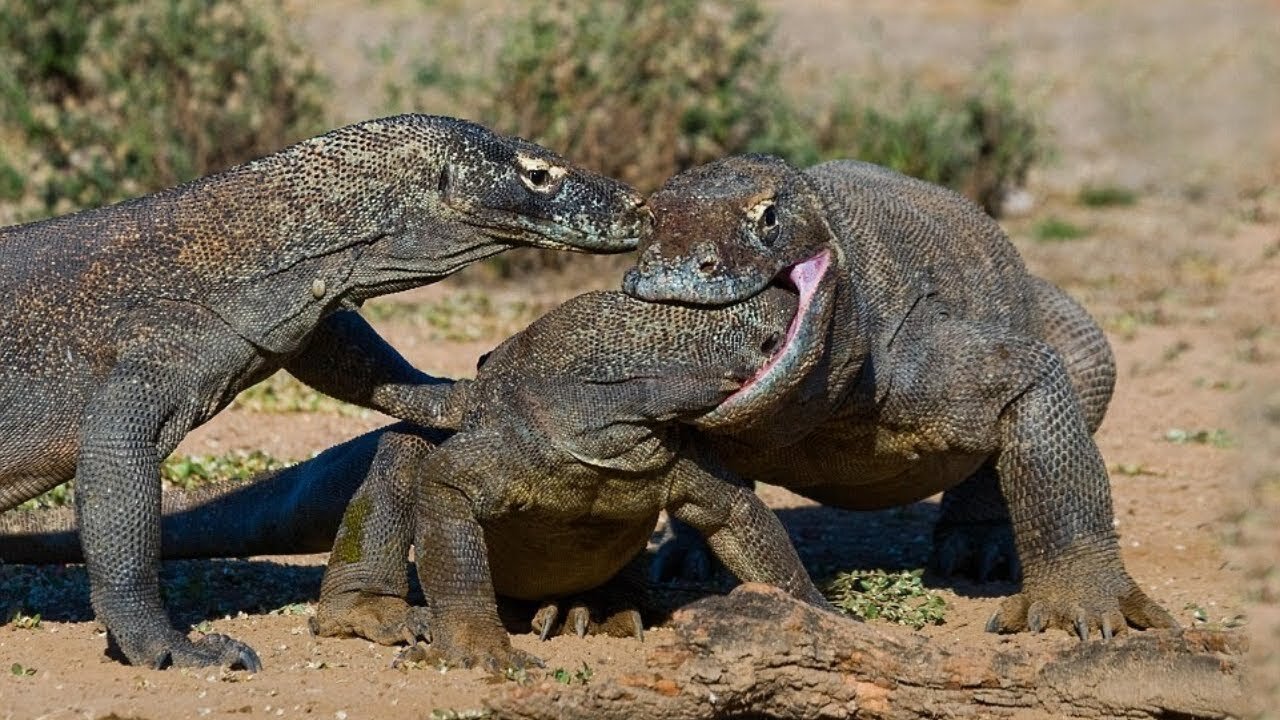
[
  {"x": 765, "y": 215},
  {"x": 539, "y": 178},
  {"x": 769, "y": 218}
]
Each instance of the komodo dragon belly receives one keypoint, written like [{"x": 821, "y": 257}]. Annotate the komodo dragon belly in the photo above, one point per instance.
[
  {"x": 532, "y": 559},
  {"x": 859, "y": 467}
]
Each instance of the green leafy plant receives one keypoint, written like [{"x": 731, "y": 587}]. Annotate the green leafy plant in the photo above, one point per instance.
[
  {"x": 580, "y": 676},
  {"x": 898, "y": 597},
  {"x": 283, "y": 393},
  {"x": 106, "y": 99},
  {"x": 189, "y": 471},
  {"x": 24, "y": 621},
  {"x": 1216, "y": 437}
]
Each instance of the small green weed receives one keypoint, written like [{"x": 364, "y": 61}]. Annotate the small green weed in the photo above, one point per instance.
[
  {"x": 23, "y": 621},
  {"x": 1134, "y": 470},
  {"x": 292, "y": 609},
  {"x": 184, "y": 471},
  {"x": 1201, "y": 619},
  {"x": 190, "y": 471},
  {"x": 1223, "y": 384},
  {"x": 1097, "y": 196},
  {"x": 1055, "y": 229},
  {"x": 452, "y": 714},
  {"x": 283, "y": 393},
  {"x": 20, "y": 671},
  {"x": 567, "y": 677},
  {"x": 57, "y": 497},
  {"x": 896, "y": 597},
  {"x": 1216, "y": 437}
]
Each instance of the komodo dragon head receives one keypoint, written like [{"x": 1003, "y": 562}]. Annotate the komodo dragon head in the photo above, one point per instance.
[
  {"x": 417, "y": 197},
  {"x": 724, "y": 232},
  {"x": 519, "y": 192}
]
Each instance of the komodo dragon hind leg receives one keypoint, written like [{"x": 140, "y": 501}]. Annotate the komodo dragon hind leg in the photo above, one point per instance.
[{"x": 973, "y": 535}]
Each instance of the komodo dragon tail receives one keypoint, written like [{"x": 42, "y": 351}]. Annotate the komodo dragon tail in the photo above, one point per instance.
[{"x": 295, "y": 510}]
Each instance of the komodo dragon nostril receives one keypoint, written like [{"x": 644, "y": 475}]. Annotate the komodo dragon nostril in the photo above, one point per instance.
[
  {"x": 708, "y": 266},
  {"x": 770, "y": 343}
]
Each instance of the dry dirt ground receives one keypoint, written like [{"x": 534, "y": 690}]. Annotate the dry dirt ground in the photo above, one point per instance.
[{"x": 1186, "y": 281}]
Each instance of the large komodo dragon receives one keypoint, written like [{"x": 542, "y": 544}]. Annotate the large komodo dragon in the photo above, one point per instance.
[
  {"x": 124, "y": 327},
  {"x": 572, "y": 437},
  {"x": 924, "y": 357}
]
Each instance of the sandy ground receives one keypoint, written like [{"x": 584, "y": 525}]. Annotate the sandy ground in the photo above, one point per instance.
[{"x": 1186, "y": 281}]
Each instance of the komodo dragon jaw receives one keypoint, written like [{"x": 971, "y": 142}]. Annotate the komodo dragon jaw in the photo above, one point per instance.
[{"x": 795, "y": 357}]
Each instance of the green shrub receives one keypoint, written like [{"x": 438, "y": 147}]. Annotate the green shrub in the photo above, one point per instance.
[
  {"x": 1106, "y": 196},
  {"x": 642, "y": 90},
  {"x": 1055, "y": 229},
  {"x": 898, "y": 597},
  {"x": 980, "y": 140},
  {"x": 107, "y": 99},
  {"x": 636, "y": 89}
]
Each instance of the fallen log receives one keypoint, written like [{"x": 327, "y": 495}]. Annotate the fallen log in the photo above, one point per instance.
[{"x": 757, "y": 653}]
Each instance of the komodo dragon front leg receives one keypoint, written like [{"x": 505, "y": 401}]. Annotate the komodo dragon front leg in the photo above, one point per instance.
[
  {"x": 347, "y": 359},
  {"x": 1051, "y": 473}
]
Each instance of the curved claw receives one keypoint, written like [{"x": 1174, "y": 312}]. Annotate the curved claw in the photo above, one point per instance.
[
  {"x": 545, "y": 620},
  {"x": 210, "y": 650},
  {"x": 1079, "y": 608},
  {"x": 581, "y": 619},
  {"x": 1082, "y": 625}
]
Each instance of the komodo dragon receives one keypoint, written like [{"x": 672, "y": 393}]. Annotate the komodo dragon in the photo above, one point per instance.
[
  {"x": 572, "y": 437},
  {"x": 124, "y": 327},
  {"x": 924, "y": 355}
]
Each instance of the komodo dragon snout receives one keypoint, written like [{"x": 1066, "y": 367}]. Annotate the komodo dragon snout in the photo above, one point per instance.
[{"x": 554, "y": 203}]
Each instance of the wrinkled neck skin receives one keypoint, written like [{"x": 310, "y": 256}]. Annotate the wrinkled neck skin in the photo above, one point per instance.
[{"x": 294, "y": 243}]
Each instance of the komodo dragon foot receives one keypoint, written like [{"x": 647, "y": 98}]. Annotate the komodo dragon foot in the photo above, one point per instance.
[
  {"x": 1086, "y": 596},
  {"x": 465, "y": 650},
  {"x": 212, "y": 650},
  {"x": 384, "y": 619},
  {"x": 587, "y": 618}
]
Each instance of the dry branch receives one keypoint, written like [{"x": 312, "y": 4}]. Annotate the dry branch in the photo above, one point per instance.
[{"x": 758, "y": 653}]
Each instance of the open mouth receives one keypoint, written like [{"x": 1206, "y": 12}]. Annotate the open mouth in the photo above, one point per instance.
[{"x": 804, "y": 277}]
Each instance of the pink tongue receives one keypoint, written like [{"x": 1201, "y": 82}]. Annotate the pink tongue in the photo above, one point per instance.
[{"x": 805, "y": 275}]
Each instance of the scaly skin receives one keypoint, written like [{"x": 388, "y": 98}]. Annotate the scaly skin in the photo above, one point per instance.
[
  {"x": 126, "y": 326},
  {"x": 926, "y": 356},
  {"x": 572, "y": 438}
]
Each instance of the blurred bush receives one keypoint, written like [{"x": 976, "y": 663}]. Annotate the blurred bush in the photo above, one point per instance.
[
  {"x": 979, "y": 139},
  {"x": 106, "y": 99},
  {"x": 642, "y": 90}
]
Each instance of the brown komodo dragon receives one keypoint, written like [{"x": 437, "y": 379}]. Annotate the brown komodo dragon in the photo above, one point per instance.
[
  {"x": 924, "y": 357},
  {"x": 572, "y": 437},
  {"x": 122, "y": 328}
]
